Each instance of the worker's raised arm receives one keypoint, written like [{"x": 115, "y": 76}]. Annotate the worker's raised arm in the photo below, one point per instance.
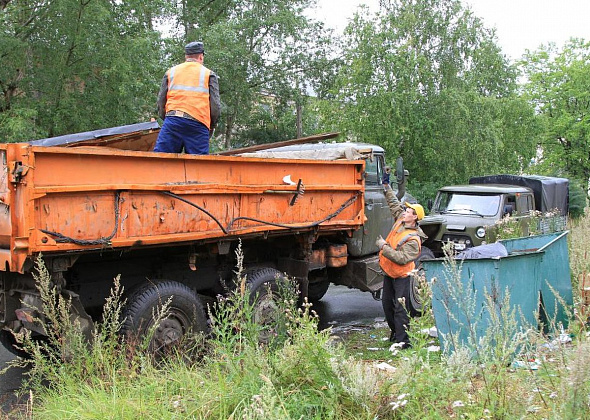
[{"x": 395, "y": 206}]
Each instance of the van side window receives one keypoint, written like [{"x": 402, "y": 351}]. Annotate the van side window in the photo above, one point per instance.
[{"x": 509, "y": 206}]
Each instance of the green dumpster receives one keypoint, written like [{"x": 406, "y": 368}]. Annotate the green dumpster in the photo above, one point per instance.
[{"x": 534, "y": 278}]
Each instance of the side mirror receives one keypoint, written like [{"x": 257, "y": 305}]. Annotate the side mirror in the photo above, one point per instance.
[
  {"x": 401, "y": 177},
  {"x": 429, "y": 204},
  {"x": 400, "y": 173}
]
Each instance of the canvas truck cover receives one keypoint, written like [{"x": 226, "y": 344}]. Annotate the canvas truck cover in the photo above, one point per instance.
[{"x": 550, "y": 193}]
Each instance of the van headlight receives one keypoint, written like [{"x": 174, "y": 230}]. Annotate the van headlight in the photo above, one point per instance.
[{"x": 480, "y": 232}]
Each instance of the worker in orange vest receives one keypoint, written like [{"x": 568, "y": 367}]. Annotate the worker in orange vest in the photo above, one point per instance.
[
  {"x": 189, "y": 104},
  {"x": 396, "y": 258}
]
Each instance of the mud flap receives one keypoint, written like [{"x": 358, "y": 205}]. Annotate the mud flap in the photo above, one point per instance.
[{"x": 79, "y": 315}]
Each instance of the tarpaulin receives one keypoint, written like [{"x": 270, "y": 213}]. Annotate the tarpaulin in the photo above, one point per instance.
[{"x": 550, "y": 193}]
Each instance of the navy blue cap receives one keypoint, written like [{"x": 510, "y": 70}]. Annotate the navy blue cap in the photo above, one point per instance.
[{"x": 195, "y": 47}]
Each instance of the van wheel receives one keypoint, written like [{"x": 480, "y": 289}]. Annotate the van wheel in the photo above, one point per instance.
[
  {"x": 263, "y": 284},
  {"x": 415, "y": 301},
  {"x": 185, "y": 315}
]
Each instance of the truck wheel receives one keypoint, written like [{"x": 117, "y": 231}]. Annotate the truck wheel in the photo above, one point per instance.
[
  {"x": 317, "y": 290},
  {"x": 185, "y": 314},
  {"x": 415, "y": 301},
  {"x": 425, "y": 254},
  {"x": 263, "y": 284}
]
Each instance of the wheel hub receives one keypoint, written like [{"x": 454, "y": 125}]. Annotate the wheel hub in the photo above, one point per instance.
[{"x": 169, "y": 331}]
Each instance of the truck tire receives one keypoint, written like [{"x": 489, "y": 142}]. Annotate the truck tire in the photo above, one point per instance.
[
  {"x": 263, "y": 284},
  {"x": 425, "y": 254},
  {"x": 185, "y": 314},
  {"x": 415, "y": 301},
  {"x": 317, "y": 290}
]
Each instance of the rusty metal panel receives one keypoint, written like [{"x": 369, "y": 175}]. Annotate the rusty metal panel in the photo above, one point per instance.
[
  {"x": 72, "y": 199},
  {"x": 337, "y": 255}
]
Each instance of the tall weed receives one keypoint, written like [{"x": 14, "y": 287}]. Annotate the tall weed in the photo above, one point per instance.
[
  {"x": 506, "y": 370},
  {"x": 66, "y": 352}
]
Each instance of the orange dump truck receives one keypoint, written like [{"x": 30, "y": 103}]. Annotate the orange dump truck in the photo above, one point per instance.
[{"x": 169, "y": 225}]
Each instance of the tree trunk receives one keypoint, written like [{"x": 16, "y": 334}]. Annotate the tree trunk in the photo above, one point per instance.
[
  {"x": 299, "y": 110},
  {"x": 229, "y": 123}
]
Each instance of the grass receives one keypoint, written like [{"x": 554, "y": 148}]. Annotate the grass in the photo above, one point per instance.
[{"x": 304, "y": 373}]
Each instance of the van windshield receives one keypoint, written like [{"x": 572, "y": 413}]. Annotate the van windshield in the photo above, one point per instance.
[{"x": 461, "y": 203}]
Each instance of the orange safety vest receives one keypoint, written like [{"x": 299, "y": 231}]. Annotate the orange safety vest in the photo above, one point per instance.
[
  {"x": 188, "y": 91},
  {"x": 396, "y": 238}
]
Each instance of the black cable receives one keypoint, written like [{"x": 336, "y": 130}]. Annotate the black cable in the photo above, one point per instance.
[
  {"x": 184, "y": 200},
  {"x": 102, "y": 241},
  {"x": 314, "y": 224},
  {"x": 60, "y": 238}
]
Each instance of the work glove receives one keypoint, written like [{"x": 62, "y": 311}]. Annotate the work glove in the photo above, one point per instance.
[{"x": 380, "y": 242}]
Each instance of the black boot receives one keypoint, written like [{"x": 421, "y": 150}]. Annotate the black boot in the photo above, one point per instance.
[{"x": 392, "y": 337}]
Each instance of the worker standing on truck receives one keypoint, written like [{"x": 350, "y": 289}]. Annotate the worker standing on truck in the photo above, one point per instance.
[
  {"x": 396, "y": 257},
  {"x": 189, "y": 104}
]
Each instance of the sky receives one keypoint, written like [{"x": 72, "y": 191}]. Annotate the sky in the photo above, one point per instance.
[{"x": 519, "y": 24}]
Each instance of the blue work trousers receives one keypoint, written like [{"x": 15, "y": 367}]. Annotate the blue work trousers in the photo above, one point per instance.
[{"x": 178, "y": 133}]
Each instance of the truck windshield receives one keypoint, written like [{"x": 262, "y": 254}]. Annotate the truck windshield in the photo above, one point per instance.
[{"x": 482, "y": 205}]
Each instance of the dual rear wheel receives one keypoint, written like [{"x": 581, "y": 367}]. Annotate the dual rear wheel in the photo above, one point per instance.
[{"x": 185, "y": 314}]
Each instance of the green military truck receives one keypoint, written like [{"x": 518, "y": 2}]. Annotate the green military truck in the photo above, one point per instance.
[{"x": 463, "y": 214}]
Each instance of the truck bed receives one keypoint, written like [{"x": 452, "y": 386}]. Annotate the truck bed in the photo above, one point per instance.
[{"x": 56, "y": 200}]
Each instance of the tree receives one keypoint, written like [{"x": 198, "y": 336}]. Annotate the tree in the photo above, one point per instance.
[
  {"x": 558, "y": 85},
  {"x": 268, "y": 56},
  {"x": 426, "y": 80},
  {"x": 74, "y": 65}
]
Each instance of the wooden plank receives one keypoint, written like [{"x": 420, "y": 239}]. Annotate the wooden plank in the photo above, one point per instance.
[{"x": 257, "y": 147}]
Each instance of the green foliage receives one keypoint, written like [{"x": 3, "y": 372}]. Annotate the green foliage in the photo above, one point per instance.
[
  {"x": 268, "y": 54},
  {"x": 536, "y": 223},
  {"x": 65, "y": 354},
  {"x": 423, "y": 191},
  {"x": 72, "y": 66},
  {"x": 558, "y": 84},
  {"x": 427, "y": 81},
  {"x": 578, "y": 246},
  {"x": 578, "y": 199},
  {"x": 19, "y": 124},
  {"x": 310, "y": 376},
  {"x": 300, "y": 374}
]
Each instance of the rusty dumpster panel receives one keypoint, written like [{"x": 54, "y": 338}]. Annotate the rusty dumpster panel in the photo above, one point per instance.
[{"x": 60, "y": 200}]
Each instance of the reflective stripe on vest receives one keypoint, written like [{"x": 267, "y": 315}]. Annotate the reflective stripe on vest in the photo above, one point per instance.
[
  {"x": 396, "y": 239},
  {"x": 188, "y": 91},
  {"x": 199, "y": 88}
]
